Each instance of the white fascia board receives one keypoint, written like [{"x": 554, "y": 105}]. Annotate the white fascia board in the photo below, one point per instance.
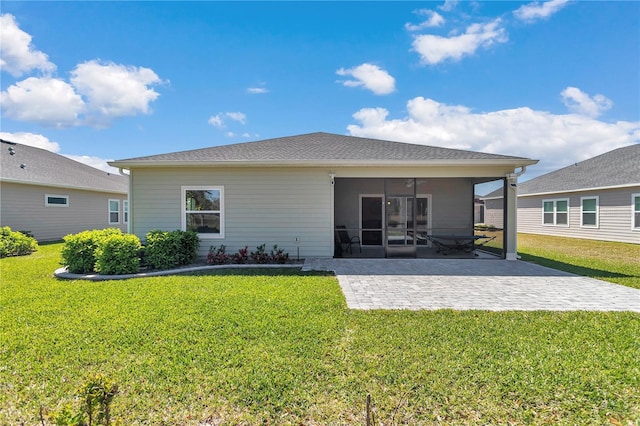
[{"x": 595, "y": 188}]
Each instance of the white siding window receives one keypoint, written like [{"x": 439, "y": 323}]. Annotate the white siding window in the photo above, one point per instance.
[
  {"x": 125, "y": 211},
  {"x": 203, "y": 210},
  {"x": 114, "y": 212},
  {"x": 51, "y": 200},
  {"x": 589, "y": 212},
  {"x": 635, "y": 205},
  {"x": 555, "y": 212}
]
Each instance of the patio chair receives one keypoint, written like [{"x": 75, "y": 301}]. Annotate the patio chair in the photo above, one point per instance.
[{"x": 347, "y": 242}]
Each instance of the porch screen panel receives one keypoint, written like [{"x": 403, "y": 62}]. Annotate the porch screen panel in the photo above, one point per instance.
[
  {"x": 371, "y": 208},
  {"x": 422, "y": 220}
]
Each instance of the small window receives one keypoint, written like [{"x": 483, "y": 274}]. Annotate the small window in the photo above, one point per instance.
[
  {"x": 635, "y": 204},
  {"x": 555, "y": 212},
  {"x": 203, "y": 211},
  {"x": 125, "y": 211},
  {"x": 56, "y": 200},
  {"x": 114, "y": 212},
  {"x": 589, "y": 212}
]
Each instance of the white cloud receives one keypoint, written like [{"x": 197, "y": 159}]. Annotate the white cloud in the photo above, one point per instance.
[
  {"x": 534, "y": 11},
  {"x": 114, "y": 90},
  {"x": 257, "y": 90},
  {"x": 434, "y": 19},
  {"x": 216, "y": 121},
  {"x": 47, "y": 101},
  {"x": 556, "y": 140},
  {"x": 237, "y": 116},
  {"x": 31, "y": 139},
  {"x": 448, "y": 5},
  {"x": 581, "y": 103},
  {"x": 97, "y": 94},
  {"x": 95, "y": 162},
  {"x": 219, "y": 120},
  {"x": 434, "y": 49},
  {"x": 369, "y": 76},
  {"x": 17, "y": 55}
]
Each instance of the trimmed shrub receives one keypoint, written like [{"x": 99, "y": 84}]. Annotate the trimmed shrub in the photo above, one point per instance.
[
  {"x": 78, "y": 250},
  {"x": 117, "y": 254},
  {"x": 170, "y": 249},
  {"x": 14, "y": 243}
]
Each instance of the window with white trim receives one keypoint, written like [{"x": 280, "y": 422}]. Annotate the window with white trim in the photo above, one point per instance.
[
  {"x": 114, "y": 212},
  {"x": 555, "y": 212},
  {"x": 635, "y": 206},
  {"x": 51, "y": 200},
  {"x": 589, "y": 212},
  {"x": 203, "y": 210},
  {"x": 125, "y": 211}
]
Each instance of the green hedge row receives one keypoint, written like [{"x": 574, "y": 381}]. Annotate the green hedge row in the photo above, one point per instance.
[
  {"x": 111, "y": 252},
  {"x": 14, "y": 243}
]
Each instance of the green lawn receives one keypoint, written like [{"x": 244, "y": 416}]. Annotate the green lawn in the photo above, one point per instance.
[{"x": 280, "y": 347}]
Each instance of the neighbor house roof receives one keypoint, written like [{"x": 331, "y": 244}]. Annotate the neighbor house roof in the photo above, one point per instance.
[
  {"x": 613, "y": 169},
  {"x": 29, "y": 165},
  {"x": 321, "y": 149},
  {"x": 620, "y": 167}
]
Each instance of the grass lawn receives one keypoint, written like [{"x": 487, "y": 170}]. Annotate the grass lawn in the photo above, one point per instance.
[
  {"x": 280, "y": 347},
  {"x": 615, "y": 262}
]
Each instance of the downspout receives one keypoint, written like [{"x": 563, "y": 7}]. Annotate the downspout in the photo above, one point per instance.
[{"x": 121, "y": 171}]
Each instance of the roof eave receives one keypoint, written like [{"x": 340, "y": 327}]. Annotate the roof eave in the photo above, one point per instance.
[{"x": 515, "y": 162}]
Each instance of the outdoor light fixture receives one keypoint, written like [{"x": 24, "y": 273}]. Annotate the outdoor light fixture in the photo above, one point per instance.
[
  {"x": 23, "y": 166},
  {"x": 332, "y": 175},
  {"x": 12, "y": 151}
]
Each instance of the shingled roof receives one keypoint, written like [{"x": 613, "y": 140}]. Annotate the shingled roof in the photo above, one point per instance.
[
  {"x": 26, "y": 164},
  {"x": 620, "y": 167},
  {"x": 320, "y": 148}
]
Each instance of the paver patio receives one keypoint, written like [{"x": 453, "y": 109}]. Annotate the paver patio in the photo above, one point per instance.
[{"x": 464, "y": 284}]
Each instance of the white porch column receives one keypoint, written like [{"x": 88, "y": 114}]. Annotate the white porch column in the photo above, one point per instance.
[{"x": 511, "y": 217}]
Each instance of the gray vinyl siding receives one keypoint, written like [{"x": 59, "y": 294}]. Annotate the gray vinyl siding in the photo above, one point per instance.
[
  {"x": 261, "y": 206},
  {"x": 615, "y": 215},
  {"x": 22, "y": 208}
]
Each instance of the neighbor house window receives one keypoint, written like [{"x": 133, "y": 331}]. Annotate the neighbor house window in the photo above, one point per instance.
[
  {"x": 114, "y": 212},
  {"x": 555, "y": 212},
  {"x": 635, "y": 204},
  {"x": 51, "y": 200},
  {"x": 203, "y": 210},
  {"x": 125, "y": 211},
  {"x": 589, "y": 206}
]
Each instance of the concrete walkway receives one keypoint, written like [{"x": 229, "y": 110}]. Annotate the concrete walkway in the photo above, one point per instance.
[{"x": 462, "y": 284}]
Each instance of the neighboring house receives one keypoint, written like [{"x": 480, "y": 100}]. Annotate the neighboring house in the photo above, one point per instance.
[
  {"x": 598, "y": 199},
  {"x": 51, "y": 196},
  {"x": 293, "y": 192}
]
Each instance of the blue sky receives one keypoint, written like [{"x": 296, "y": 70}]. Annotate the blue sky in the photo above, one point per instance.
[{"x": 557, "y": 80}]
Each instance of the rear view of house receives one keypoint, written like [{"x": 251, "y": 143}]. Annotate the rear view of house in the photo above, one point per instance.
[
  {"x": 297, "y": 191},
  {"x": 51, "y": 196}
]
